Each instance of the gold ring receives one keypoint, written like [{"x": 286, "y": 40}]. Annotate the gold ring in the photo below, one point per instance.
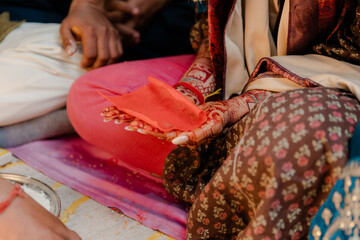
[{"x": 76, "y": 30}]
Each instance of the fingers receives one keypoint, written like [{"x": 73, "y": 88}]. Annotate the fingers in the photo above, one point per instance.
[
  {"x": 101, "y": 47},
  {"x": 112, "y": 113},
  {"x": 68, "y": 39},
  {"x": 189, "y": 140},
  {"x": 181, "y": 140},
  {"x": 139, "y": 125},
  {"x": 115, "y": 48},
  {"x": 89, "y": 46},
  {"x": 124, "y": 117},
  {"x": 199, "y": 135},
  {"x": 144, "y": 128},
  {"x": 192, "y": 138},
  {"x": 116, "y": 16},
  {"x": 211, "y": 128},
  {"x": 107, "y": 109},
  {"x": 207, "y": 131},
  {"x": 128, "y": 32},
  {"x": 103, "y": 54}
]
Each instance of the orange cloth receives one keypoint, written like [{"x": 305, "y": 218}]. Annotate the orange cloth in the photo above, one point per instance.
[{"x": 161, "y": 106}]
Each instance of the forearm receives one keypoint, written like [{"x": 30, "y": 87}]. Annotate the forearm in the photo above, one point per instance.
[
  {"x": 198, "y": 82},
  {"x": 26, "y": 218}
]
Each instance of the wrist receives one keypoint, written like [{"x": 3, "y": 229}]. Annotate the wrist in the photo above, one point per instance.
[
  {"x": 199, "y": 79},
  {"x": 16, "y": 191},
  {"x": 237, "y": 108},
  {"x": 193, "y": 91},
  {"x": 190, "y": 95},
  {"x": 242, "y": 104}
]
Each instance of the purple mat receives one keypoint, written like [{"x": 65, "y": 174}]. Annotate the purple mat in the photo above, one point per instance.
[{"x": 96, "y": 174}]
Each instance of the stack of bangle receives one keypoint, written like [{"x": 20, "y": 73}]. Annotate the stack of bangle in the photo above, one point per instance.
[{"x": 15, "y": 192}]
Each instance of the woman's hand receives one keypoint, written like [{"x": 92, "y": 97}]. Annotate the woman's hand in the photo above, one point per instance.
[
  {"x": 219, "y": 114},
  {"x": 87, "y": 22},
  {"x": 112, "y": 113},
  {"x": 26, "y": 219}
]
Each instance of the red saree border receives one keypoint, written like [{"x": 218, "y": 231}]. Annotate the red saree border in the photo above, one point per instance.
[
  {"x": 219, "y": 12},
  {"x": 268, "y": 64}
]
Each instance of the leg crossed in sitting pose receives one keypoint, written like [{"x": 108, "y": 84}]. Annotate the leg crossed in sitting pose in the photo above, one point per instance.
[{"x": 292, "y": 148}]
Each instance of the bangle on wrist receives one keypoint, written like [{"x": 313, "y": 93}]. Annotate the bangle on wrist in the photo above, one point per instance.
[
  {"x": 193, "y": 89},
  {"x": 17, "y": 191}
]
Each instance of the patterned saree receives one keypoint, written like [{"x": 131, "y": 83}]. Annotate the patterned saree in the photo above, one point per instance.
[{"x": 266, "y": 176}]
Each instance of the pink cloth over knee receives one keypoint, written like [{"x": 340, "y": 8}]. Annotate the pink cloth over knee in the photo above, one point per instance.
[{"x": 85, "y": 105}]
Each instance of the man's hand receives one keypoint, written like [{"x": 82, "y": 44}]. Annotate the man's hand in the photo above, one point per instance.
[
  {"x": 132, "y": 14},
  {"x": 88, "y": 23}
]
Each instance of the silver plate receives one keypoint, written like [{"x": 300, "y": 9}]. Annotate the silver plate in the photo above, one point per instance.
[{"x": 55, "y": 204}]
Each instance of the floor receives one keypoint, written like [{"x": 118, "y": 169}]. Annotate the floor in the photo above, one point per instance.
[{"x": 82, "y": 214}]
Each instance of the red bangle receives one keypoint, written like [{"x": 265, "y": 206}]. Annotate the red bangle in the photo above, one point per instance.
[
  {"x": 193, "y": 89},
  {"x": 15, "y": 192}
]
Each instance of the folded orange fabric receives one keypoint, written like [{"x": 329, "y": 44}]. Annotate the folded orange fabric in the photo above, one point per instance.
[{"x": 161, "y": 106}]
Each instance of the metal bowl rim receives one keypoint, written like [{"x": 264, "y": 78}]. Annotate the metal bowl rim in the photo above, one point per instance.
[{"x": 55, "y": 203}]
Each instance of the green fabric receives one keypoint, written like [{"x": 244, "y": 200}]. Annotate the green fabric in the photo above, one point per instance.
[{"x": 6, "y": 26}]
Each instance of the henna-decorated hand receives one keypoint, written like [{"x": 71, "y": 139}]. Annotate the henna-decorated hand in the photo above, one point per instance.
[
  {"x": 219, "y": 114},
  {"x": 198, "y": 82},
  {"x": 112, "y": 113}
]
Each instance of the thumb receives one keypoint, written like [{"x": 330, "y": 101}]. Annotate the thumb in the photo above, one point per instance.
[{"x": 179, "y": 140}]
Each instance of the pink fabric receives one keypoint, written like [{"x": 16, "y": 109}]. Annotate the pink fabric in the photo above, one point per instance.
[
  {"x": 85, "y": 105},
  {"x": 97, "y": 174}
]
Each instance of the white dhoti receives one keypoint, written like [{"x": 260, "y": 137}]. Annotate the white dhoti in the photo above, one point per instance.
[{"x": 35, "y": 72}]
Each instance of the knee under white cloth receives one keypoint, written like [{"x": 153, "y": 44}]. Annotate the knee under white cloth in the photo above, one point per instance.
[{"x": 35, "y": 72}]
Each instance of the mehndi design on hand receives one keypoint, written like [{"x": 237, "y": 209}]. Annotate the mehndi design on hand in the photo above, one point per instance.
[
  {"x": 198, "y": 81},
  {"x": 113, "y": 113},
  {"x": 219, "y": 114}
]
